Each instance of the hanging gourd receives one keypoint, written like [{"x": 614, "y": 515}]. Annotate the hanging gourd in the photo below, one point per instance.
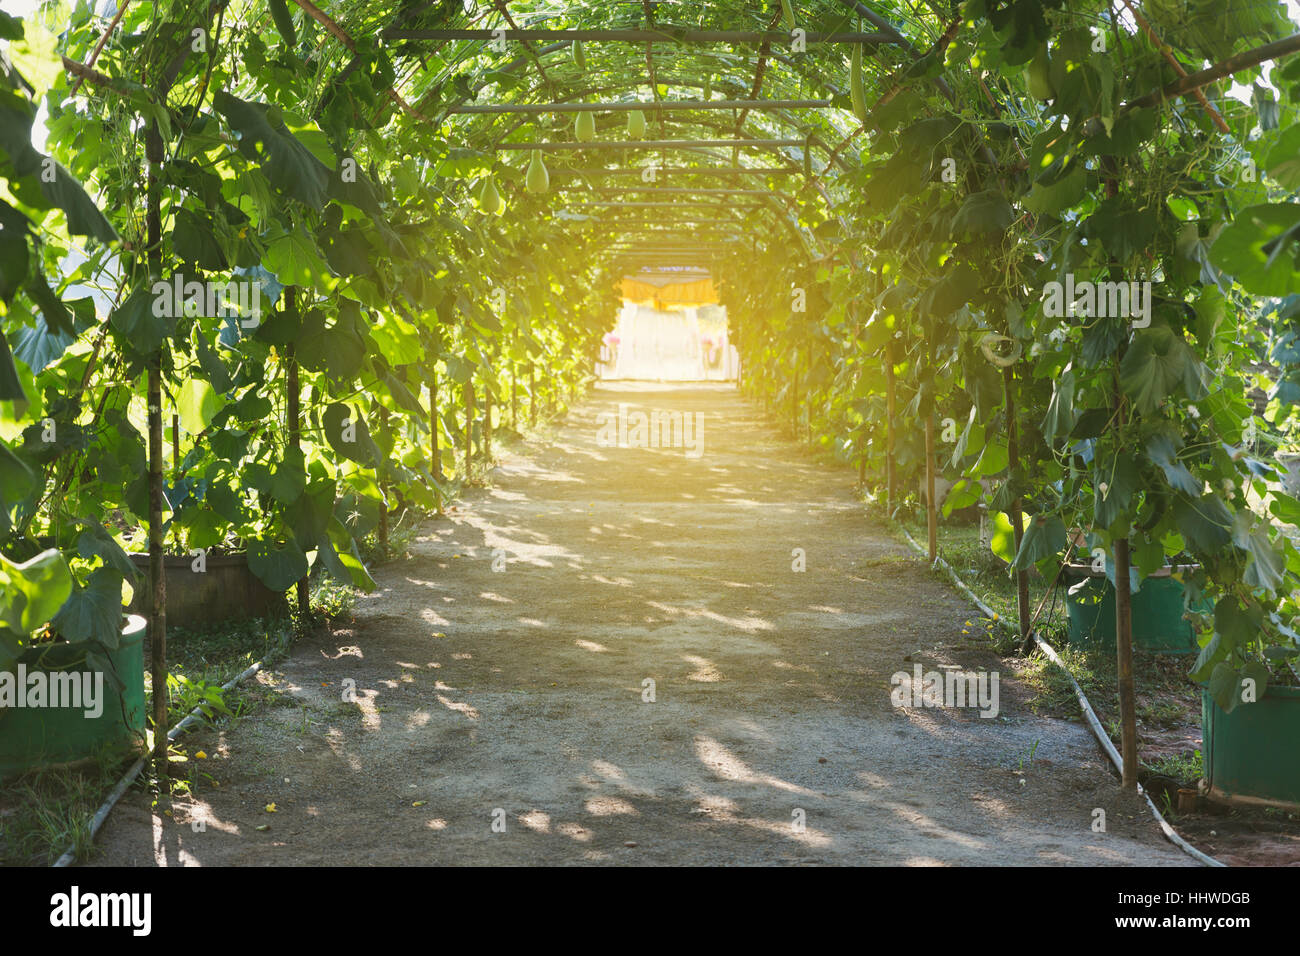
[
  {"x": 538, "y": 180},
  {"x": 857, "y": 91},
  {"x": 1040, "y": 78},
  {"x": 636, "y": 124},
  {"x": 708, "y": 88},
  {"x": 584, "y": 129},
  {"x": 489, "y": 200},
  {"x": 579, "y": 58},
  {"x": 788, "y": 12}
]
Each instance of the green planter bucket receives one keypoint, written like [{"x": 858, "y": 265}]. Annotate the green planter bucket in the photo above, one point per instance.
[
  {"x": 1157, "y": 608},
  {"x": 43, "y": 737},
  {"x": 1252, "y": 755}
]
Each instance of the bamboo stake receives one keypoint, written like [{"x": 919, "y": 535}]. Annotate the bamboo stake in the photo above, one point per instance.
[
  {"x": 435, "y": 453},
  {"x": 1124, "y": 662},
  {"x": 487, "y": 423},
  {"x": 469, "y": 426},
  {"x": 532, "y": 395},
  {"x": 157, "y": 568},
  {"x": 383, "y": 494},
  {"x": 1017, "y": 514},
  {"x": 931, "y": 509},
  {"x": 891, "y": 499},
  {"x": 295, "y": 441}
]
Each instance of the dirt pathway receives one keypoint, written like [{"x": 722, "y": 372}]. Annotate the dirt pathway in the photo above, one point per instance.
[{"x": 516, "y": 695}]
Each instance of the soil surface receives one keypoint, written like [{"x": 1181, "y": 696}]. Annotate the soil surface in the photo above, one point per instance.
[{"x": 502, "y": 714}]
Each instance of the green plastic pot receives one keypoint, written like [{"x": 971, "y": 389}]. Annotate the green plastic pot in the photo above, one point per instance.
[
  {"x": 1252, "y": 755},
  {"x": 1157, "y": 608},
  {"x": 36, "y": 738}
]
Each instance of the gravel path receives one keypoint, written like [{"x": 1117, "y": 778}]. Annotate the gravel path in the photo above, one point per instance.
[{"x": 517, "y": 697}]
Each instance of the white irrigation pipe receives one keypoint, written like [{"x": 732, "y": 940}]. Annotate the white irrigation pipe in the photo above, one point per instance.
[
  {"x": 193, "y": 717},
  {"x": 1093, "y": 722}
]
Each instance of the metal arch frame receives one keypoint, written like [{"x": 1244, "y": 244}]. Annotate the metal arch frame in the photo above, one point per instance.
[
  {"x": 789, "y": 120},
  {"x": 890, "y": 36}
]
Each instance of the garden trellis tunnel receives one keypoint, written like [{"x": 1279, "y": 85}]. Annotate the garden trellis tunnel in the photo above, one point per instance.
[{"x": 1042, "y": 255}]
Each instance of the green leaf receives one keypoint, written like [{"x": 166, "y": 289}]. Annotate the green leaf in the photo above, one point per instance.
[
  {"x": 345, "y": 565},
  {"x": 1224, "y": 686},
  {"x": 1162, "y": 449},
  {"x": 197, "y": 402},
  {"x": 348, "y": 435},
  {"x": 17, "y": 480},
  {"x": 1235, "y": 627},
  {"x": 1121, "y": 480},
  {"x": 962, "y": 494},
  {"x": 1053, "y": 194},
  {"x": 57, "y": 317},
  {"x": 1044, "y": 538},
  {"x": 1060, "y": 409},
  {"x": 93, "y": 612},
  {"x": 1282, "y": 160},
  {"x": 294, "y": 260},
  {"x": 95, "y": 541},
  {"x": 289, "y": 165},
  {"x": 992, "y": 460},
  {"x": 194, "y": 242},
  {"x": 289, "y": 479},
  {"x": 1243, "y": 249},
  {"x": 32, "y": 592},
  {"x": 1153, "y": 367},
  {"x": 137, "y": 324},
  {"x": 1210, "y": 655},
  {"x": 957, "y": 288},
  {"x": 1205, "y": 523},
  {"x": 983, "y": 214},
  {"x": 278, "y": 565},
  {"x": 1265, "y": 566}
]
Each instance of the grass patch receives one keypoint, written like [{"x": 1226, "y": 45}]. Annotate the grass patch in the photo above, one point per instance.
[
  {"x": 988, "y": 576},
  {"x": 1186, "y": 768},
  {"x": 45, "y": 812}
]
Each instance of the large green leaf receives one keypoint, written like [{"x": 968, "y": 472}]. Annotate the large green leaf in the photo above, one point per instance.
[
  {"x": 32, "y": 592},
  {"x": 1162, "y": 449},
  {"x": 138, "y": 324},
  {"x": 338, "y": 552},
  {"x": 277, "y": 564},
  {"x": 1265, "y": 566},
  {"x": 1205, "y": 523},
  {"x": 289, "y": 165},
  {"x": 1058, "y": 191},
  {"x": 197, "y": 402},
  {"x": 95, "y": 541},
  {"x": 1060, "y": 409},
  {"x": 1245, "y": 249},
  {"x": 1115, "y": 480},
  {"x": 348, "y": 434},
  {"x": 1153, "y": 367},
  {"x": 983, "y": 214},
  {"x": 93, "y": 612},
  {"x": 57, "y": 187},
  {"x": 957, "y": 288},
  {"x": 194, "y": 241},
  {"x": 1044, "y": 538}
]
